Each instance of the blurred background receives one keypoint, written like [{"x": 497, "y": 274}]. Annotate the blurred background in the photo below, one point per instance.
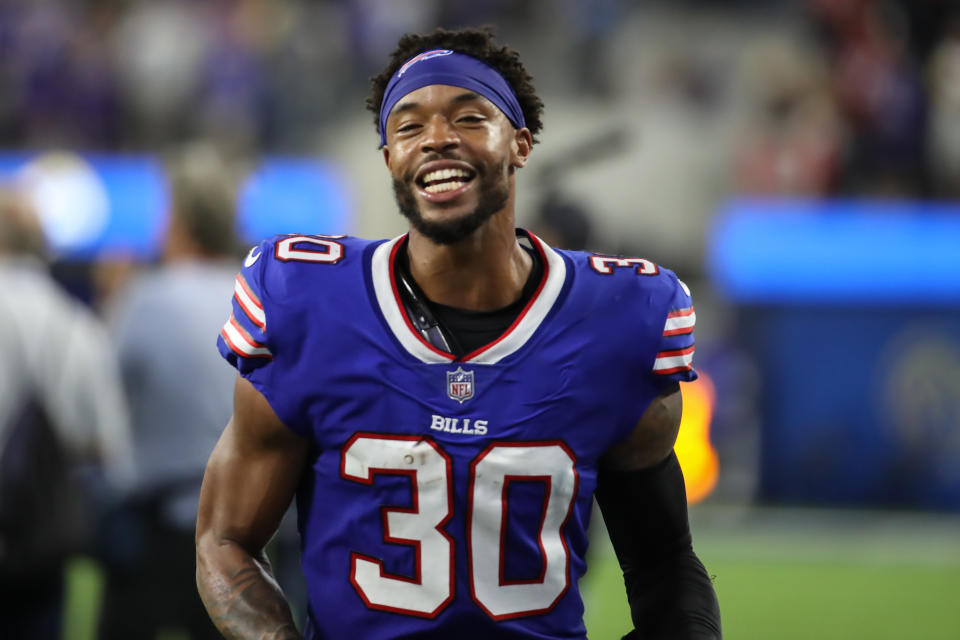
[{"x": 797, "y": 163}]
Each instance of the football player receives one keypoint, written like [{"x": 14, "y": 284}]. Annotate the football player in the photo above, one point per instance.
[{"x": 445, "y": 405}]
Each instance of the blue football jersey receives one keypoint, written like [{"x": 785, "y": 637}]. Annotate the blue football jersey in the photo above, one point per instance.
[{"x": 450, "y": 497}]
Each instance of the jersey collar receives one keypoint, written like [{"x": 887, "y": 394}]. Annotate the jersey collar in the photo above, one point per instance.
[{"x": 516, "y": 335}]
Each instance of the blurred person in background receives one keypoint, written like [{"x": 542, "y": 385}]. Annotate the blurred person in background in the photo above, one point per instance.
[
  {"x": 63, "y": 426},
  {"x": 943, "y": 137},
  {"x": 178, "y": 392},
  {"x": 877, "y": 79},
  {"x": 562, "y": 222},
  {"x": 792, "y": 137}
]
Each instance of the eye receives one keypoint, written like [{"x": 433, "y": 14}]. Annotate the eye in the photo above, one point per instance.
[
  {"x": 470, "y": 119},
  {"x": 410, "y": 126}
]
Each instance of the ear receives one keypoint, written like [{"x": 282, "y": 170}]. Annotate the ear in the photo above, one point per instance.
[
  {"x": 386, "y": 155},
  {"x": 521, "y": 147}
]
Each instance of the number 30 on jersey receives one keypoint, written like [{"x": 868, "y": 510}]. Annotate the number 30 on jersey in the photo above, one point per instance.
[{"x": 421, "y": 526}]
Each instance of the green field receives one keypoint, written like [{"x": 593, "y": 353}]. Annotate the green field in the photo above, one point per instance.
[
  {"x": 779, "y": 574},
  {"x": 793, "y": 601},
  {"x": 801, "y": 575}
]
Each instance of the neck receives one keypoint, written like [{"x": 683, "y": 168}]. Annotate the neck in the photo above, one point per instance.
[{"x": 484, "y": 272}]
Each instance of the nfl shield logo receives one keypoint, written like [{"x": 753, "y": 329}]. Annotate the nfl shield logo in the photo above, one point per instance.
[{"x": 460, "y": 384}]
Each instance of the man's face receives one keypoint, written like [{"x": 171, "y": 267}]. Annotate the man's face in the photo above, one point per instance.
[{"x": 451, "y": 154}]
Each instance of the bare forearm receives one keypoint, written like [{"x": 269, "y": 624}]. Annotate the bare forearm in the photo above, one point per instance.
[{"x": 241, "y": 595}]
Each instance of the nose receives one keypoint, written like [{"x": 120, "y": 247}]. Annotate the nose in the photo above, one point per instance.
[{"x": 439, "y": 135}]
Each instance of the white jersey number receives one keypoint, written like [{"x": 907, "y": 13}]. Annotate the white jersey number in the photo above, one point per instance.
[
  {"x": 606, "y": 265},
  {"x": 322, "y": 249},
  {"x": 428, "y": 468},
  {"x": 421, "y": 526},
  {"x": 490, "y": 476}
]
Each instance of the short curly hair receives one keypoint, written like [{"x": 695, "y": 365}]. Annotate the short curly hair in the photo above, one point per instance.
[{"x": 477, "y": 42}]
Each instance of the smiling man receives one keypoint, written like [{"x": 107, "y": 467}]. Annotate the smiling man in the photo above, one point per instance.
[{"x": 445, "y": 405}]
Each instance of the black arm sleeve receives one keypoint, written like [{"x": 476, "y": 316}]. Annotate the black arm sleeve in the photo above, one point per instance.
[{"x": 670, "y": 594}]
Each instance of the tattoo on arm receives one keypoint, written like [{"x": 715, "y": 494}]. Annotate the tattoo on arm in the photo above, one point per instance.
[{"x": 243, "y": 598}]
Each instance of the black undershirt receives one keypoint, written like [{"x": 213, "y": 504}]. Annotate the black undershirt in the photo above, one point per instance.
[{"x": 466, "y": 331}]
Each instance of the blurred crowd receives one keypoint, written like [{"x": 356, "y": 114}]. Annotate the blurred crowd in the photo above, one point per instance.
[
  {"x": 866, "y": 108},
  {"x": 132, "y": 73},
  {"x": 864, "y": 97}
]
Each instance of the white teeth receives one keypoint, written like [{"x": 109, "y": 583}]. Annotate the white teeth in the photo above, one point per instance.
[
  {"x": 440, "y": 187},
  {"x": 445, "y": 180},
  {"x": 444, "y": 174}
]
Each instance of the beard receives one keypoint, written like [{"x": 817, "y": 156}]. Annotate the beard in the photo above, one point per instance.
[{"x": 493, "y": 190}]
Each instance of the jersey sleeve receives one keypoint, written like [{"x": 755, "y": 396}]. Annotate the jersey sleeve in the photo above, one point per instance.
[
  {"x": 244, "y": 340},
  {"x": 674, "y": 358}
]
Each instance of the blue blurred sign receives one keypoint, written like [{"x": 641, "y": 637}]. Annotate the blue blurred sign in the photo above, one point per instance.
[
  {"x": 95, "y": 202},
  {"x": 852, "y": 312},
  {"x": 846, "y": 252},
  {"x": 290, "y": 195},
  {"x": 92, "y": 202}
]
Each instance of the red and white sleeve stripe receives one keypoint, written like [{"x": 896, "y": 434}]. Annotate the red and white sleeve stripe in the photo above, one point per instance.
[
  {"x": 674, "y": 361},
  {"x": 241, "y": 342},
  {"x": 249, "y": 302},
  {"x": 680, "y": 322}
]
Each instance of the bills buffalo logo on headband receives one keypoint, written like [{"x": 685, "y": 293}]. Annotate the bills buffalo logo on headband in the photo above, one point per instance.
[
  {"x": 443, "y": 66},
  {"x": 426, "y": 55}
]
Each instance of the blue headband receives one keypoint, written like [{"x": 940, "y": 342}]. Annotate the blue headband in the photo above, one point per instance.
[{"x": 442, "y": 66}]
